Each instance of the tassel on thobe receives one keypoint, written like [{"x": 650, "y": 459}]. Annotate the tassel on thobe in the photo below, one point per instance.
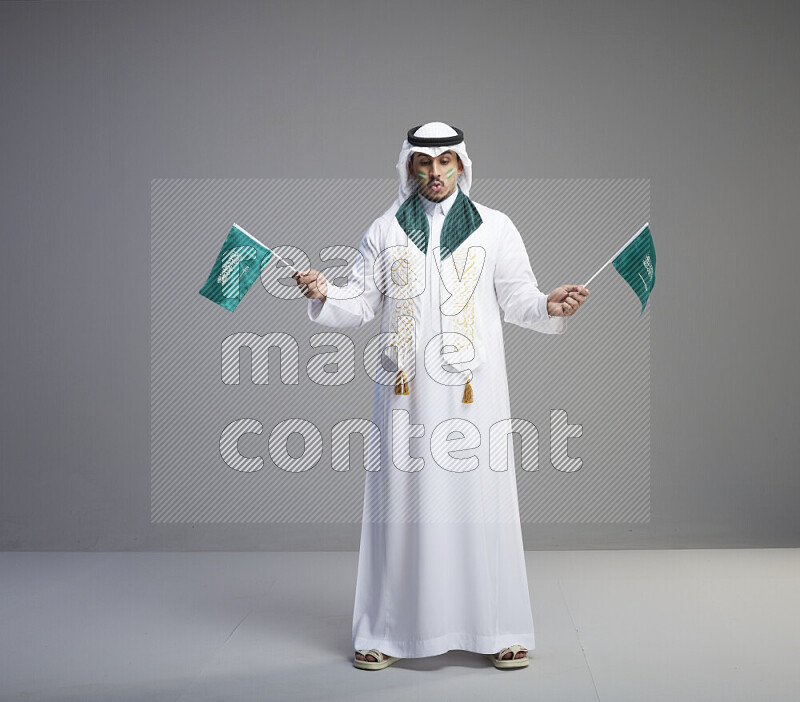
[
  {"x": 467, "y": 393},
  {"x": 401, "y": 384}
]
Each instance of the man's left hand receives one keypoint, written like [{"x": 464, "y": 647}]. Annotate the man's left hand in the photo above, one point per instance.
[{"x": 565, "y": 300}]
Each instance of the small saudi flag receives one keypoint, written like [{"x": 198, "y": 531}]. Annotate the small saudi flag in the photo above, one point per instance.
[
  {"x": 636, "y": 263},
  {"x": 238, "y": 264}
]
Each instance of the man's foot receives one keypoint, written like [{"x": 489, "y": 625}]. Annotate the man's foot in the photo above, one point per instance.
[
  {"x": 508, "y": 655},
  {"x": 372, "y": 659},
  {"x": 369, "y": 657},
  {"x": 515, "y": 656}
]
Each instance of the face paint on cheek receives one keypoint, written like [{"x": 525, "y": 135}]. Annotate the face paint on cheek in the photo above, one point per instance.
[
  {"x": 449, "y": 173},
  {"x": 422, "y": 176}
]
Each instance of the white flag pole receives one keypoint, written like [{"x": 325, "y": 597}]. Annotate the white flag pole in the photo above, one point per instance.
[
  {"x": 586, "y": 284},
  {"x": 265, "y": 246},
  {"x": 621, "y": 248}
]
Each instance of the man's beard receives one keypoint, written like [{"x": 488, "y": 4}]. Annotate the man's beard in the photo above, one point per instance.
[{"x": 425, "y": 191}]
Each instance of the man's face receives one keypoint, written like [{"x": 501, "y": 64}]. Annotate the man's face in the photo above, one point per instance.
[{"x": 437, "y": 178}]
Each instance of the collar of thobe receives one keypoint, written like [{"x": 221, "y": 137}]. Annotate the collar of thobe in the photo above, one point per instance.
[
  {"x": 461, "y": 219},
  {"x": 442, "y": 206}
]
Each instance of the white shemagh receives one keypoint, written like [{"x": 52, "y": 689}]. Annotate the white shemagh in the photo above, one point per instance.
[{"x": 432, "y": 130}]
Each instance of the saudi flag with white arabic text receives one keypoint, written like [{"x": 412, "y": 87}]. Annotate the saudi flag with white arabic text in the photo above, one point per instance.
[{"x": 636, "y": 263}]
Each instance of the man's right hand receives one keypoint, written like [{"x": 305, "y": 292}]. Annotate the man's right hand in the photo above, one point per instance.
[{"x": 312, "y": 284}]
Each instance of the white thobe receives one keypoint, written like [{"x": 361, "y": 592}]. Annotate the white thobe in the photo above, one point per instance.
[{"x": 441, "y": 563}]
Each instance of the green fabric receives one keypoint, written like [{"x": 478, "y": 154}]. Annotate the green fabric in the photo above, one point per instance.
[
  {"x": 636, "y": 263},
  {"x": 412, "y": 218},
  {"x": 462, "y": 219},
  {"x": 239, "y": 262}
]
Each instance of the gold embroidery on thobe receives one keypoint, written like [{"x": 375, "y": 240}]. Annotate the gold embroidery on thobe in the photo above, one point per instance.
[{"x": 402, "y": 324}]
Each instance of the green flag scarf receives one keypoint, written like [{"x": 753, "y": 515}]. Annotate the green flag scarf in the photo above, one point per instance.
[
  {"x": 461, "y": 221},
  {"x": 636, "y": 263}
]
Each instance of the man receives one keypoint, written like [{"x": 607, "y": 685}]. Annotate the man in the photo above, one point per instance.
[{"x": 441, "y": 564}]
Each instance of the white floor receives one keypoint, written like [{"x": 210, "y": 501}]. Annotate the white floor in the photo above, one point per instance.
[{"x": 610, "y": 625}]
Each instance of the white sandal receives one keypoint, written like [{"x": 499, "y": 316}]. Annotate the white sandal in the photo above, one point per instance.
[
  {"x": 513, "y": 662},
  {"x": 380, "y": 661}
]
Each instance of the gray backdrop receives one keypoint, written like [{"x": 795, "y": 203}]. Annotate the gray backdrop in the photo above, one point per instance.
[{"x": 102, "y": 98}]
